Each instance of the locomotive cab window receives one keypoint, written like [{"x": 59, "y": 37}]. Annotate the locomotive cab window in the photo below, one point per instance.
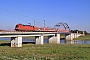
[{"x": 16, "y": 25}]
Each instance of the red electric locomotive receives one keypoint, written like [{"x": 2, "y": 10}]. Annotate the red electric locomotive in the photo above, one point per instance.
[{"x": 21, "y": 27}]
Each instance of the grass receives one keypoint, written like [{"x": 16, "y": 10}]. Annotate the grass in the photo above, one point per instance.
[
  {"x": 86, "y": 37},
  {"x": 45, "y": 52}
]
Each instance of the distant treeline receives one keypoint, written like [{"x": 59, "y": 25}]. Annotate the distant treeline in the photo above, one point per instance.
[{"x": 75, "y": 31}]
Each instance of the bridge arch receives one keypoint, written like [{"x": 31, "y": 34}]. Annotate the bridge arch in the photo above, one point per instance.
[{"x": 62, "y": 26}]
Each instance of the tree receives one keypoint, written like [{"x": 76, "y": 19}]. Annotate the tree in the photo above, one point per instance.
[{"x": 81, "y": 32}]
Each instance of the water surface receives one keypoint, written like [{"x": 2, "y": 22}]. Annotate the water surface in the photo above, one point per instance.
[{"x": 62, "y": 41}]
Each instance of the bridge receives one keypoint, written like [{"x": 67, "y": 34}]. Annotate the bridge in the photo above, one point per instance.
[
  {"x": 53, "y": 37},
  {"x": 16, "y": 37}
]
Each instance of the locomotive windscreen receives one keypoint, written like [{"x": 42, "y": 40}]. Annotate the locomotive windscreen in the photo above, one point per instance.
[{"x": 16, "y": 25}]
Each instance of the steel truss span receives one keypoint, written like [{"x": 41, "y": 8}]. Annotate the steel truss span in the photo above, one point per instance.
[{"x": 62, "y": 26}]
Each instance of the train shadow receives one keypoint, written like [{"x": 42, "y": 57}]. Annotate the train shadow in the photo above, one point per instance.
[
  {"x": 28, "y": 42},
  {"x": 5, "y": 44},
  {"x": 9, "y": 44}
]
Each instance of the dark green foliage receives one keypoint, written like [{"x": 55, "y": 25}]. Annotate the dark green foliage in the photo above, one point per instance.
[{"x": 75, "y": 31}]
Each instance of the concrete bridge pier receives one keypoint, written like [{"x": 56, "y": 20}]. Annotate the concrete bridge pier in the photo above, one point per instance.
[
  {"x": 39, "y": 39},
  {"x": 54, "y": 39},
  {"x": 16, "y": 41},
  {"x": 51, "y": 39},
  {"x": 65, "y": 37},
  {"x": 58, "y": 38}
]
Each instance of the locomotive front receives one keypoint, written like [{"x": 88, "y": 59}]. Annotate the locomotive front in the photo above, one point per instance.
[{"x": 17, "y": 27}]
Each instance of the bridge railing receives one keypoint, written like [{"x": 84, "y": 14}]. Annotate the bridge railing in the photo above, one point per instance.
[
  {"x": 63, "y": 31},
  {"x": 25, "y": 31}
]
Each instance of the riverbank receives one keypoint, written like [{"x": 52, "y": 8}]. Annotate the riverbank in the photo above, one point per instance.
[
  {"x": 86, "y": 37},
  {"x": 45, "y": 52}
]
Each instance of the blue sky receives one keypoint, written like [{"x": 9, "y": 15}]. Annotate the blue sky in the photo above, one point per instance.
[{"x": 76, "y": 13}]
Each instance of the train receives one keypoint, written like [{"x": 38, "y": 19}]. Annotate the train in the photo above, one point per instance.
[
  {"x": 30, "y": 28},
  {"x": 21, "y": 27}
]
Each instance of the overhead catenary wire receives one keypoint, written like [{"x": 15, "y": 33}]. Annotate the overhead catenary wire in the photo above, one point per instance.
[
  {"x": 35, "y": 23},
  {"x": 19, "y": 14},
  {"x": 14, "y": 12}
]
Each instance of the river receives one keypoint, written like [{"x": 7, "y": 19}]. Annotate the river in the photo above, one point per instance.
[{"x": 62, "y": 41}]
